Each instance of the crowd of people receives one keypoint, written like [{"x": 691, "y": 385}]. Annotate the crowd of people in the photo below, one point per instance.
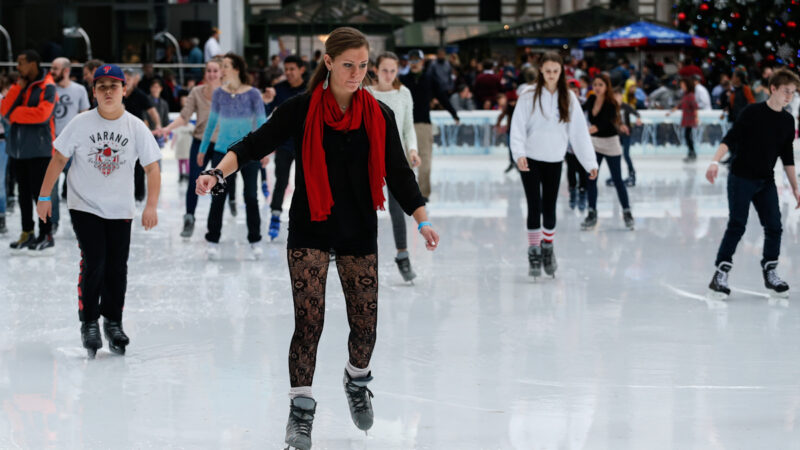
[{"x": 105, "y": 126}]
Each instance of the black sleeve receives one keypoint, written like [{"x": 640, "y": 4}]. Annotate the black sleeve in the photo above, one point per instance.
[
  {"x": 399, "y": 176},
  {"x": 441, "y": 95},
  {"x": 286, "y": 120},
  {"x": 589, "y": 103},
  {"x": 787, "y": 147}
]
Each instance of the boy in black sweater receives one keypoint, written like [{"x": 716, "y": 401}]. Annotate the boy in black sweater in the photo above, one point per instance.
[{"x": 762, "y": 133}]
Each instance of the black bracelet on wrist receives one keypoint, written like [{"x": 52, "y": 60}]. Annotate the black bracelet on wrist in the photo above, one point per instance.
[{"x": 221, "y": 185}]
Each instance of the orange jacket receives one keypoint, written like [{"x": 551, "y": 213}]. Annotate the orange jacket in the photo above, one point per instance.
[{"x": 30, "y": 114}]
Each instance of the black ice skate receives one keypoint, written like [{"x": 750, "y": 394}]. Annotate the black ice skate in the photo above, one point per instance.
[
  {"x": 404, "y": 266},
  {"x": 628, "y": 218},
  {"x": 117, "y": 339},
  {"x": 719, "y": 283},
  {"x": 549, "y": 259},
  {"x": 3, "y": 228},
  {"x": 358, "y": 398},
  {"x": 590, "y": 221},
  {"x": 188, "y": 226},
  {"x": 90, "y": 336},
  {"x": 535, "y": 261},
  {"x": 773, "y": 283},
  {"x": 43, "y": 245},
  {"x": 301, "y": 418},
  {"x": 26, "y": 240}
]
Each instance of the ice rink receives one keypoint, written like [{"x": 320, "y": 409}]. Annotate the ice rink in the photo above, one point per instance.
[{"x": 622, "y": 350}]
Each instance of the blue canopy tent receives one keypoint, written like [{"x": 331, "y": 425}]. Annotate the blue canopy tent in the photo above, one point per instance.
[{"x": 642, "y": 34}]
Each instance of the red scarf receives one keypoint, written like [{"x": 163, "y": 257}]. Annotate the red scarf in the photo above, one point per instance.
[{"x": 324, "y": 110}]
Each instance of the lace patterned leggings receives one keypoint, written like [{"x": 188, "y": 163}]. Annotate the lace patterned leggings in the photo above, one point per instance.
[{"x": 308, "y": 269}]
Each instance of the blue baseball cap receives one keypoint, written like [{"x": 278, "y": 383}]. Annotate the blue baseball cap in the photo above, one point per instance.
[
  {"x": 415, "y": 54},
  {"x": 109, "y": 71}
]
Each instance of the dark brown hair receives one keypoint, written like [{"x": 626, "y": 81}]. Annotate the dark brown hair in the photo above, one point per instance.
[
  {"x": 339, "y": 41},
  {"x": 239, "y": 64},
  {"x": 561, "y": 86},
  {"x": 782, "y": 77},
  {"x": 390, "y": 55},
  {"x": 609, "y": 97}
]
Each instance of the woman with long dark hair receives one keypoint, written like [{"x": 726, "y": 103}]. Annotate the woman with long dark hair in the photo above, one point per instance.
[
  {"x": 605, "y": 121},
  {"x": 397, "y": 97},
  {"x": 236, "y": 109},
  {"x": 347, "y": 145},
  {"x": 547, "y": 118}
]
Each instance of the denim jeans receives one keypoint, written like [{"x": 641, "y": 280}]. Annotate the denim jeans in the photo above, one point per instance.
[
  {"x": 625, "y": 140},
  {"x": 3, "y": 164},
  {"x": 614, "y": 165},
  {"x": 764, "y": 196},
  {"x": 249, "y": 173}
]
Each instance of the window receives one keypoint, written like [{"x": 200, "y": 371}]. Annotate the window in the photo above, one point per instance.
[
  {"x": 424, "y": 10},
  {"x": 489, "y": 11}
]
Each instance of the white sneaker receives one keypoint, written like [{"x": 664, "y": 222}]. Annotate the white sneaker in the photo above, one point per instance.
[
  {"x": 212, "y": 251},
  {"x": 255, "y": 250}
]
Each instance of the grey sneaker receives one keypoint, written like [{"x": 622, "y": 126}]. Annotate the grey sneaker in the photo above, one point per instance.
[
  {"x": 535, "y": 261},
  {"x": 358, "y": 398},
  {"x": 301, "y": 418},
  {"x": 188, "y": 226},
  {"x": 549, "y": 259}
]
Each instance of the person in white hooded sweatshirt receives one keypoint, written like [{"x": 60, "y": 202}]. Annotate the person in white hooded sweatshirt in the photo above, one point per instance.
[{"x": 548, "y": 118}]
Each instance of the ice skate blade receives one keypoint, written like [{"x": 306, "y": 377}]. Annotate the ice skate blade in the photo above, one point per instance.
[
  {"x": 116, "y": 349},
  {"x": 714, "y": 295},
  {"x": 775, "y": 294},
  {"x": 91, "y": 353}
]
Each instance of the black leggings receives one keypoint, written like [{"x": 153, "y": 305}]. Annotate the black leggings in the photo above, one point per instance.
[
  {"x": 308, "y": 269},
  {"x": 541, "y": 189},
  {"x": 576, "y": 176},
  {"x": 688, "y": 133}
]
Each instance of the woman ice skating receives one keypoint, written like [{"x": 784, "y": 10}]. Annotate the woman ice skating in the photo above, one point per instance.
[
  {"x": 762, "y": 133},
  {"x": 199, "y": 102},
  {"x": 391, "y": 91},
  {"x": 104, "y": 143},
  {"x": 346, "y": 143},
  {"x": 546, "y": 120},
  {"x": 237, "y": 109},
  {"x": 688, "y": 107},
  {"x": 603, "y": 111}
]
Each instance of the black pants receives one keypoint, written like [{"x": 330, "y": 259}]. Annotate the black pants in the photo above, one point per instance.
[
  {"x": 30, "y": 175},
  {"x": 308, "y": 269},
  {"x": 541, "y": 190},
  {"x": 398, "y": 223},
  {"x": 11, "y": 179},
  {"x": 615, "y": 166},
  {"x": 103, "y": 279},
  {"x": 764, "y": 196},
  {"x": 625, "y": 141},
  {"x": 688, "y": 133},
  {"x": 576, "y": 176},
  {"x": 194, "y": 172},
  {"x": 284, "y": 157},
  {"x": 249, "y": 173},
  {"x": 138, "y": 182}
]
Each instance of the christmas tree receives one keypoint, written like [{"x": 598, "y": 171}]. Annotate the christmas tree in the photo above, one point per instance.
[{"x": 743, "y": 32}]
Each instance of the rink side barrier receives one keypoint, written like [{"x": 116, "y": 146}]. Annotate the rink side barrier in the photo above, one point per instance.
[{"x": 660, "y": 134}]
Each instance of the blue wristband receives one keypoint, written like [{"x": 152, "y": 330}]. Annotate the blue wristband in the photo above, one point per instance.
[
  {"x": 44, "y": 199},
  {"x": 423, "y": 224}
]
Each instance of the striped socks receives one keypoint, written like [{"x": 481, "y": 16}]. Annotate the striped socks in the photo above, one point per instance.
[
  {"x": 548, "y": 235},
  {"x": 535, "y": 237}
]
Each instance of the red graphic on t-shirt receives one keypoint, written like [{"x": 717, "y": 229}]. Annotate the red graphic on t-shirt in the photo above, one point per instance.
[{"x": 106, "y": 160}]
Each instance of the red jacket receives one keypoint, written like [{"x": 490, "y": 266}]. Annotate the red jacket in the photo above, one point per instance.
[{"x": 30, "y": 113}]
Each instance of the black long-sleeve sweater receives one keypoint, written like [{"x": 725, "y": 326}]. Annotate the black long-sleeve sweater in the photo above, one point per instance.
[
  {"x": 759, "y": 136},
  {"x": 606, "y": 120},
  {"x": 352, "y": 218},
  {"x": 424, "y": 87}
]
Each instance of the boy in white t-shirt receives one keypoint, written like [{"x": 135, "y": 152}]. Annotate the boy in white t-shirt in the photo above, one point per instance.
[{"x": 104, "y": 144}]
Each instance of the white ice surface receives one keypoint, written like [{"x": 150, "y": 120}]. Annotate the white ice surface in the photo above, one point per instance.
[{"x": 621, "y": 351}]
